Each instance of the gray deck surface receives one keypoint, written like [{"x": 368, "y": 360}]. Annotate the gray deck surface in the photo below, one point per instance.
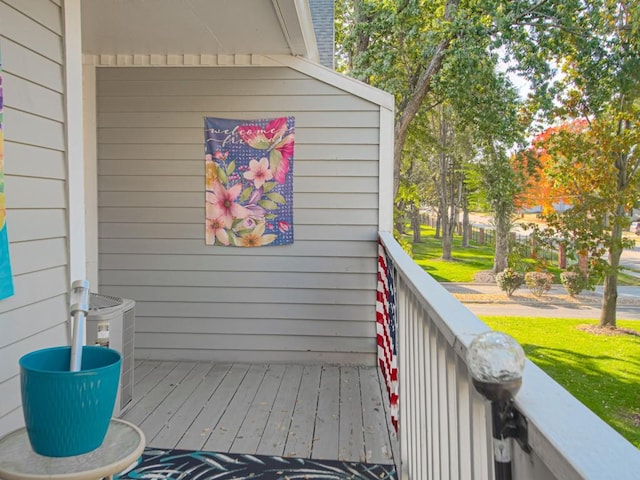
[{"x": 309, "y": 411}]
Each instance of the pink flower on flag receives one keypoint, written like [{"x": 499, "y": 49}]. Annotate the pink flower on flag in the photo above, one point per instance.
[
  {"x": 215, "y": 230},
  {"x": 223, "y": 203},
  {"x": 259, "y": 172}
]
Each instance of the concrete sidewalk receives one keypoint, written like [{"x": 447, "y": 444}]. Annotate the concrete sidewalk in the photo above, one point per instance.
[{"x": 488, "y": 299}]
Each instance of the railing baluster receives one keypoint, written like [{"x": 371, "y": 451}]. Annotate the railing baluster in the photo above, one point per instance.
[
  {"x": 464, "y": 420},
  {"x": 445, "y": 425}
]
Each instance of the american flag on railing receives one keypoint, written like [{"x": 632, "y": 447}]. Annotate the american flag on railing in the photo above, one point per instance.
[{"x": 386, "y": 325}]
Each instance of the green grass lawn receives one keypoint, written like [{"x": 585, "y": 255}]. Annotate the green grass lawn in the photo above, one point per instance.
[
  {"x": 603, "y": 372},
  {"x": 470, "y": 260}
]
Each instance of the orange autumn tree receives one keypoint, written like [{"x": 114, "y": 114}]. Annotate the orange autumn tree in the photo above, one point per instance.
[
  {"x": 594, "y": 165},
  {"x": 541, "y": 189}
]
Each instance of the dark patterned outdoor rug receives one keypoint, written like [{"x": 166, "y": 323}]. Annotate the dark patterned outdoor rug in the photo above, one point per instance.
[{"x": 198, "y": 465}]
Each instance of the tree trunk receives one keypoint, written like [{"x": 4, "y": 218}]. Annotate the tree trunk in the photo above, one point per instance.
[
  {"x": 502, "y": 243},
  {"x": 447, "y": 239},
  {"x": 609, "y": 301},
  {"x": 466, "y": 225},
  {"x": 610, "y": 293},
  {"x": 415, "y": 224},
  {"x": 408, "y": 108}
]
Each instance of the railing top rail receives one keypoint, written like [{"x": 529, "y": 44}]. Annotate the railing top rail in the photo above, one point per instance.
[
  {"x": 568, "y": 437},
  {"x": 458, "y": 325}
]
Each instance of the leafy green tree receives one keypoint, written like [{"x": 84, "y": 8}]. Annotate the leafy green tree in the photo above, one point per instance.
[
  {"x": 597, "y": 168},
  {"x": 403, "y": 46},
  {"x": 429, "y": 54},
  {"x": 598, "y": 54}
]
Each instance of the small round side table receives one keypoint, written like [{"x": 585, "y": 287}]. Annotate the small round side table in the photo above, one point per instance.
[{"x": 122, "y": 447}]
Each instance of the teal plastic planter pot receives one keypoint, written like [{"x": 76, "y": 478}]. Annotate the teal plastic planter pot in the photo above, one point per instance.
[{"x": 68, "y": 413}]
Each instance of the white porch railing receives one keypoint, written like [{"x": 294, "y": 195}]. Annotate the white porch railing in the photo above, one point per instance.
[{"x": 445, "y": 425}]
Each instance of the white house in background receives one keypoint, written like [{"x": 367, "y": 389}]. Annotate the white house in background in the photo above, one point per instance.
[{"x": 104, "y": 164}]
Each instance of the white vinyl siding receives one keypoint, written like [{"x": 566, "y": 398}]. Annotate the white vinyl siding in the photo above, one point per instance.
[
  {"x": 310, "y": 301},
  {"x": 31, "y": 46}
]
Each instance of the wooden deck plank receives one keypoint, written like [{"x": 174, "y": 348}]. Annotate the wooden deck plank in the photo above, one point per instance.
[
  {"x": 143, "y": 367},
  {"x": 327, "y": 423},
  {"x": 143, "y": 386},
  {"x": 318, "y": 411},
  {"x": 351, "y": 441},
  {"x": 275, "y": 433},
  {"x": 173, "y": 431},
  {"x": 376, "y": 434},
  {"x": 300, "y": 439},
  {"x": 252, "y": 428},
  {"x": 165, "y": 410},
  {"x": 222, "y": 436},
  {"x": 199, "y": 431},
  {"x": 142, "y": 409}
]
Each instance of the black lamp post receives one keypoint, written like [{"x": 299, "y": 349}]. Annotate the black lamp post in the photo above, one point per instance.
[{"x": 496, "y": 362}]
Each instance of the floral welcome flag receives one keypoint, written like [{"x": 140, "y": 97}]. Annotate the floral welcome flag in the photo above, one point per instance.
[
  {"x": 6, "y": 281},
  {"x": 249, "y": 181}
]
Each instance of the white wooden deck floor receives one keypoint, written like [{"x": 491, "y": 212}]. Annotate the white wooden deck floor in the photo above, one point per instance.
[{"x": 310, "y": 411}]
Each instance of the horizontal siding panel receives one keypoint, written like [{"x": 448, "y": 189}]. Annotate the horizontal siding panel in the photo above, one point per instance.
[
  {"x": 38, "y": 255},
  {"x": 262, "y": 326},
  {"x": 195, "y": 152},
  {"x": 25, "y": 63},
  {"x": 119, "y": 183},
  {"x": 196, "y": 231},
  {"x": 36, "y": 224},
  {"x": 216, "y": 263},
  {"x": 338, "y": 119},
  {"x": 324, "y": 216},
  {"x": 158, "y": 167},
  {"x": 313, "y": 300},
  {"x": 241, "y": 280},
  {"x": 239, "y": 86},
  {"x": 223, "y": 103},
  {"x": 327, "y": 168},
  {"x": 52, "y": 337},
  {"x": 30, "y": 192},
  {"x": 366, "y": 167},
  {"x": 30, "y": 129},
  {"x": 254, "y": 342},
  {"x": 241, "y": 296},
  {"x": 10, "y": 394},
  {"x": 177, "y": 136},
  {"x": 36, "y": 286},
  {"x": 252, "y": 356},
  {"x": 33, "y": 161},
  {"x": 342, "y": 184},
  {"x": 15, "y": 419},
  {"x": 42, "y": 316},
  {"x": 196, "y": 199},
  {"x": 25, "y": 31},
  {"x": 330, "y": 200},
  {"x": 35, "y": 317},
  {"x": 335, "y": 248},
  {"x": 44, "y": 12},
  {"x": 30, "y": 97},
  {"x": 178, "y": 73},
  {"x": 284, "y": 311}
]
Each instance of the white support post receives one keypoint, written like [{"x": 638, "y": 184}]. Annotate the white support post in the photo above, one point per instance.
[{"x": 74, "y": 138}]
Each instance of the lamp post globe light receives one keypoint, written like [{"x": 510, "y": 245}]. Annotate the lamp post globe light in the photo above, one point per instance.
[{"x": 496, "y": 361}]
